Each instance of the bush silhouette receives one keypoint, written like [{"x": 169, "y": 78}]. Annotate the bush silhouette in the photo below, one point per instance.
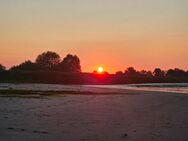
[
  {"x": 2, "y": 68},
  {"x": 26, "y": 66}
]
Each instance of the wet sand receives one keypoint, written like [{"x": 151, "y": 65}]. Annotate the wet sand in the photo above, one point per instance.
[{"x": 127, "y": 115}]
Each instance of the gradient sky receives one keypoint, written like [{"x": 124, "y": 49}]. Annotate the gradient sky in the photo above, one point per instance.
[{"x": 113, "y": 33}]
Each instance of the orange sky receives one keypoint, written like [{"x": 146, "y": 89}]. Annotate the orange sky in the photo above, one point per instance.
[{"x": 114, "y": 34}]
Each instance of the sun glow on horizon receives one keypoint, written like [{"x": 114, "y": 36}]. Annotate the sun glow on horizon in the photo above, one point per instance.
[{"x": 100, "y": 70}]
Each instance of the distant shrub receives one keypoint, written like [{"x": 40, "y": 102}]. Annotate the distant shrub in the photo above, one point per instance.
[{"x": 2, "y": 68}]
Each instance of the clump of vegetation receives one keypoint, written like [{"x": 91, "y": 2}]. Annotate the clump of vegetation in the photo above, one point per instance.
[
  {"x": 26, "y": 66},
  {"x": 2, "y": 68},
  {"x": 50, "y": 61}
]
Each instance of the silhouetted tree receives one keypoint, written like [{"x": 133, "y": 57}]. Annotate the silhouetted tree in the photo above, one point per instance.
[
  {"x": 176, "y": 73},
  {"x": 146, "y": 73},
  {"x": 2, "y": 68},
  {"x": 131, "y": 75},
  {"x": 119, "y": 77},
  {"x": 119, "y": 73},
  {"x": 26, "y": 66},
  {"x": 158, "y": 73},
  {"x": 130, "y": 71},
  {"x": 71, "y": 63},
  {"x": 48, "y": 60}
]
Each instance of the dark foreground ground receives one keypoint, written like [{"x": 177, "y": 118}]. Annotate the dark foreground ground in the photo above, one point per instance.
[{"x": 131, "y": 116}]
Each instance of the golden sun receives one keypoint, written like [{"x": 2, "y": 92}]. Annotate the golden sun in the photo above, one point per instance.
[{"x": 100, "y": 70}]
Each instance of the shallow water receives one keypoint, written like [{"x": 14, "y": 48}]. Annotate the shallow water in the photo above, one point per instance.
[{"x": 163, "y": 87}]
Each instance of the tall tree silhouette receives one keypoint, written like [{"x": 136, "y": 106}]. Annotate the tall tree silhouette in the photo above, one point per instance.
[
  {"x": 130, "y": 71},
  {"x": 48, "y": 60},
  {"x": 71, "y": 63},
  {"x": 158, "y": 73}
]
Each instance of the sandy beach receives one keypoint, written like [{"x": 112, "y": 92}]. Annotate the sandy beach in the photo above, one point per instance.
[{"x": 128, "y": 115}]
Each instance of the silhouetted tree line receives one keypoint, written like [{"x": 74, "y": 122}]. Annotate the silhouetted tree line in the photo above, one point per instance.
[
  {"x": 50, "y": 68},
  {"x": 130, "y": 75},
  {"x": 50, "y": 61}
]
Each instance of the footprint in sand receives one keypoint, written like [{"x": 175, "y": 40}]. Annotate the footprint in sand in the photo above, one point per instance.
[
  {"x": 40, "y": 132},
  {"x": 10, "y": 128},
  {"x": 23, "y": 130},
  {"x": 17, "y": 129}
]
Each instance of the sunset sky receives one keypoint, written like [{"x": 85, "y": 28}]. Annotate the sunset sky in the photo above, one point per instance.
[{"x": 115, "y": 34}]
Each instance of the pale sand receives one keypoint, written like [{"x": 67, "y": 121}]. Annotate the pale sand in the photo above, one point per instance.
[{"x": 130, "y": 116}]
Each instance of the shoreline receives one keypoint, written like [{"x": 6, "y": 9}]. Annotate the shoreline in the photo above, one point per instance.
[
  {"x": 103, "y": 115},
  {"x": 50, "y": 89},
  {"x": 24, "y": 93}
]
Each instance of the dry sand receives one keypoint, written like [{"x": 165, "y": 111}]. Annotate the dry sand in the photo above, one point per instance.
[{"x": 130, "y": 116}]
